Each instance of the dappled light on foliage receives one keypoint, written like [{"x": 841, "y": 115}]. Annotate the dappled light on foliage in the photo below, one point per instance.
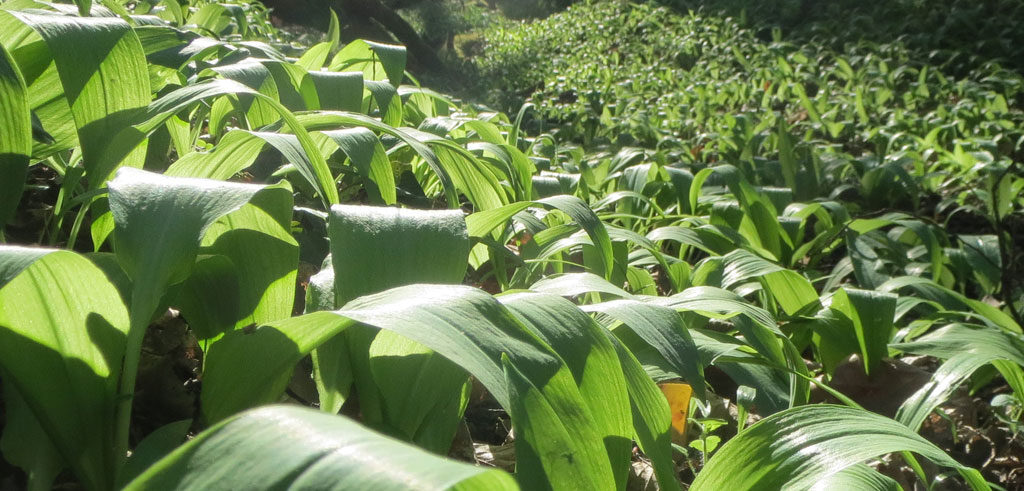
[{"x": 548, "y": 245}]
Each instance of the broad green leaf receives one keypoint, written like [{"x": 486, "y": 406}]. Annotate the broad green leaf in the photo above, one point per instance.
[
  {"x": 377, "y": 61},
  {"x": 716, "y": 303},
  {"x": 374, "y": 249},
  {"x": 233, "y": 381},
  {"x": 209, "y": 296},
  {"x": 594, "y": 364},
  {"x": 791, "y": 290},
  {"x": 423, "y": 394},
  {"x": 872, "y": 315},
  {"x": 695, "y": 187},
  {"x": 484, "y": 222},
  {"x": 333, "y": 119},
  {"x": 537, "y": 421},
  {"x": 281, "y": 447},
  {"x": 159, "y": 224},
  {"x": 236, "y": 151},
  {"x": 212, "y": 17},
  {"x": 834, "y": 337},
  {"x": 256, "y": 241},
  {"x": 478, "y": 180},
  {"x": 62, "y": 337},
  {"x": 16, "y": 258},
  {"x": 332, "y": 373},
  {"x": 787, "y": 158},
  {"x": 15, "y": 136},
  {"x": 964, "y": 350},
  {"x": 103, "y": 72},
  {"x": 338, "y": 91},
  {"x": 573, "y": 284},
  {"x": 53, "y": 124},
  {"x": 663, "y": 329},
  {"x": 651, "y": 417},
  {"x": 589, "y": 222},
  {"x": 951, "y": 300},
  {"x": 800, "y": 446},
  {"x": 154, "y": 447},
  {"x": 385, "y": 97},
  {"x": 370, "y": 159},
  {"x": 463, "y": 324},
  {"x": 311, "y": 165},
  {"x": 706, "y": 238},
  {"x": 858, "y": 476},
  {"x": 25, "y": 444},
  {"x": 257, "y": 112},
  {"x": 315, "y": 57}
]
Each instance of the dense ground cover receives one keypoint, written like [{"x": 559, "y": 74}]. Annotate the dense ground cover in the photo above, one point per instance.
[{"x": 706, "y": 254}]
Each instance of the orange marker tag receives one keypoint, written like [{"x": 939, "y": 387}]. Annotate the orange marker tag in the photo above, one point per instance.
[{"x": 678, "y": 395}]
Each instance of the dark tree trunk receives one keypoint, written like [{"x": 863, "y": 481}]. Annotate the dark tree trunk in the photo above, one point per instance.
[
  {"x": 314, "y": 13},
  {"x": 373, "y": 9}
]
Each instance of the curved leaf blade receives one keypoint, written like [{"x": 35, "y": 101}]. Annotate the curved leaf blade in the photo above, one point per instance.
[
  {"x": 280, "y": 447},
  {"x": 797, "y": 447}
]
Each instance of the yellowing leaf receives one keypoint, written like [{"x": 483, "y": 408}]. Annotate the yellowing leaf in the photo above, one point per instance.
[{"x": 678, "y": 395}]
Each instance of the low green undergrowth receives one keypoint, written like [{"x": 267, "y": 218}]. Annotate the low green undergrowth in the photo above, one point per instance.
[{"x": 204, "y": 218}]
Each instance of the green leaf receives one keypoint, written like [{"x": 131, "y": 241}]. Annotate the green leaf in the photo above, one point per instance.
[
  {"x": 789, "y": 288},
  {"x": 463, "y": 324},
  {"x": 103, "y": 72},
  {"x": 858, "y": 476},
  {"x": 662, "y": 328},
  {"x": 537, "y": 421},
  {"x": 408, "y": 136},
  {"x": 374, "y": 249},
  {"x": 872, "y": 314},
  {"x": 951, "y": 300},
  {"x": 15, "y": 136},
  {"x": 651, "y": 417},
  {"x": 377, "y": 61},
  {"x": 209, "y": 297},
  {"x": 262, "y": 257},
  {"x": 965, "y": 349},
  {"x": 236, "y": 151},
  {"x": 315, "y": 57},
  {"x": 338, "y": 91},
  {"x": 573, "y": 284},
  {"x": 154, "y": 447},
  {"x": 311, "y": 164},
  {"x": 298, "y": 448},
  {"x": 159, "y": 225},
  {"x": 62, "y": 337},
  {"x": 422, "y": 394},
  {"x": 25, "y": 443},
  {"x": 594, "y": 364},
  {"x": 484, "y": 222},
  {"x": 716, "y": 303},
  {"x": 370, "y": 159},
  {"x": 800, "y": 446}
]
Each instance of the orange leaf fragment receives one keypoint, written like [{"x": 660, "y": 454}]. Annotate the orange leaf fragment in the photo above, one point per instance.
[{"x": 678, "y": 396}]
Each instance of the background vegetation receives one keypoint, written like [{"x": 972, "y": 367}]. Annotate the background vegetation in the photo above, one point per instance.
[{"x": 644, "y": 245}]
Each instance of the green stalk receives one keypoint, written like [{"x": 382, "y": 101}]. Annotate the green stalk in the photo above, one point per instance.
[
  {"x": 79, "y": 217},
  {"x": 145, "y": 298}
]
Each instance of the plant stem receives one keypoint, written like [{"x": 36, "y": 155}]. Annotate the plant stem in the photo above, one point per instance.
[
  {"x": 79, "y": 218},
  {"x": 125, "y": 395},
  {"x": 145, "y": 299}
]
